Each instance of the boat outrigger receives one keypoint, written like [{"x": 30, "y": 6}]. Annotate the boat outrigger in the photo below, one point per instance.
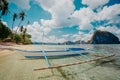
[{"x": 60, "y": 53}]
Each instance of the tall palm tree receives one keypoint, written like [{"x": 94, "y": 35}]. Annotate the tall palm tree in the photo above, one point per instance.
[
  {"x": 3, "y": 7},
  {"x": 24, "y": 32},
  {"x": 14, "y": 18},
  {"x": 21, "y": 16}
]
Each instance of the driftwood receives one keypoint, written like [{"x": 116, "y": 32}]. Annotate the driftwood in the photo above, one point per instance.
[{"x": 70, "y": 64}]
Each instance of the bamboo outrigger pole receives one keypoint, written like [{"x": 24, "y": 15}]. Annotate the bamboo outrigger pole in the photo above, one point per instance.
[{"x": 70, "y": 64}]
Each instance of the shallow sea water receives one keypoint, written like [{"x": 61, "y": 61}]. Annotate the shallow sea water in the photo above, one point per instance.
[
  {"x": 97, "y": 70},
  {"x": 16, "y": 67}
]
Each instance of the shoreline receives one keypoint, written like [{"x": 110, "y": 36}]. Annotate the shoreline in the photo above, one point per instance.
[
  {"x": 6, "y": 48},
  {"x": 7, "y": 44}
]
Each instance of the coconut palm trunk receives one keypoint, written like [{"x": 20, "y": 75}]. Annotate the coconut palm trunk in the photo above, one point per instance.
[
  {"x": 14, "y": 18},
  {"x": 19, "y": 25},
  {"x": 24, "y": 34},
  {"x": 21, "y": 16}
]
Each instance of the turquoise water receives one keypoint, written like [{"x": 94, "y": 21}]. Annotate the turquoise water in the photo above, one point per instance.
[
  {"x": 101, "y": 48},
  {"x": 109, "y": 47},
  {"x": 88, "y": 71}
]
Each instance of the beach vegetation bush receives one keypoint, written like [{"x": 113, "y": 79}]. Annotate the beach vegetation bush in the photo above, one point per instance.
[
  {"x": 17, "y": 38},
  {"x": 28, "y": 35},
  {"x": 27, "y": 40}
]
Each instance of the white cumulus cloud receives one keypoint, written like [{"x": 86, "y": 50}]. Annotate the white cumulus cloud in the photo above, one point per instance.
[
  {"x": 82, "y": 36},
  {"x": 60, "y": 11},
  {"x": 37, "y": 31},
  {"x": 93, "y": 4},
  {"x": 84, "y": 17},
  {"x": 110, "y": 13}
]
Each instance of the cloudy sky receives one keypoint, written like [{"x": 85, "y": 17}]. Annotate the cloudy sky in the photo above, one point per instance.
[{"x": 63, "y": 20}]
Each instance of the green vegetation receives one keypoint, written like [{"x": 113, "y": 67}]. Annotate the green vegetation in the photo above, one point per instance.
[
  {"x": 8, "y": 35},
  {"x": 5, "y": 32},
  {"x": 17, "y": 38}
]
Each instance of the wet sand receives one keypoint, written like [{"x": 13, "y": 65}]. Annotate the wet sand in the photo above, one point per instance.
[{"x": 13, "y": 66}]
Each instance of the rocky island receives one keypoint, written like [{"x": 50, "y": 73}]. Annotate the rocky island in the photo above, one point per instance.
[{"x": 104, "y": 37}]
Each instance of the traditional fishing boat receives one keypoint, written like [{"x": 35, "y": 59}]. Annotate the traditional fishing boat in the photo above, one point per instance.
[
  {"x": 62, "y": 53},
  {"x": 52, "y": 53}
]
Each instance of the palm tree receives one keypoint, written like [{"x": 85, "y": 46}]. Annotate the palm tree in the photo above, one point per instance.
[
  {"x": 14, "y": 18},
  {"x": 3, "y": 7},
  {"x": 21, "y": 29},
  {"x": 21, "y": 16},
  {"x": 24, "y": 32}
]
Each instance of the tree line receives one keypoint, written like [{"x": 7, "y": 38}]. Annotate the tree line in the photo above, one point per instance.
[{"x": 7, "y": 34}]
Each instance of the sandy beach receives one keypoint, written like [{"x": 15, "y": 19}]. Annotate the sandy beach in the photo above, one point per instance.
[
  {"x": 13, "y": 66},
  {"x": 60, "y": 40}
]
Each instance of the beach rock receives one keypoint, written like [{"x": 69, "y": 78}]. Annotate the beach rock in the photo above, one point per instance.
[{"x": 104, "y": 37}]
